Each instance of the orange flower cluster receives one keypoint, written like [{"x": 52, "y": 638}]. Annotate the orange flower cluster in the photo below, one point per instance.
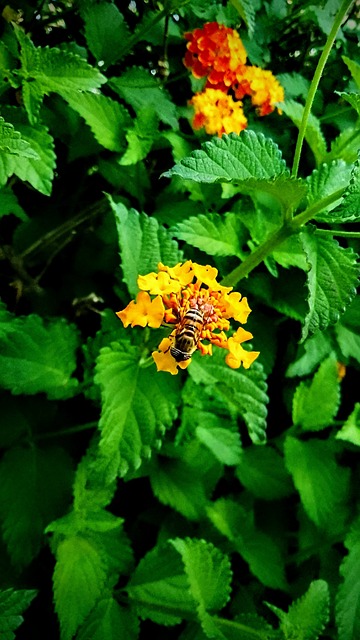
[
  {"x": 188, "y": 297},
  {"x": 217, "y": 53}
]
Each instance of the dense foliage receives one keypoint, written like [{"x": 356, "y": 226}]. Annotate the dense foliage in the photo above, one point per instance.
[{"x": 220, "y": 502}]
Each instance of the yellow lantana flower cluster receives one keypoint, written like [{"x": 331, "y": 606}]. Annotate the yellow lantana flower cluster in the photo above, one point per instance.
[
  {"x": 189, "y": 298},
  {"x": 217, "y": 53}
]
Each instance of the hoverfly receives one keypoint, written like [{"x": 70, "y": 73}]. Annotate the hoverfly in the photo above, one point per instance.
[{"x": 187, "y": 335}]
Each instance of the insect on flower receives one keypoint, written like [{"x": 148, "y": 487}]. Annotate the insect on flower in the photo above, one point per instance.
[{"x": 188, "y": 297}]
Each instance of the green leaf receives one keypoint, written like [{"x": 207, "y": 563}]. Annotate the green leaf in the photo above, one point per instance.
[
  {"x": 352, "y": 98},
  {"x": 137, "y": 404},
  {"x": 354, "y": 68},
  {"x": 217, "y": 235},
  {"x": 105, "y": 32},
  {"x": 141, "y": 137},
  {"x": 307, "y": 617},
  {"x": 348, "y": 211},
  {"x": 313, "y": 134},
  {"x": 9, "y": 204},
  {"x": 295, "y": 85},
  {"x": 246, "y": 11},
  {"x": 109, "y": 620},
  {"x": 262, "y": 471},
  {"x": 244, "y": 391},
  {"x": 220, "y": 438},
  {"x": 332, "y": 279},
  {"x": 308, "y": 411},
  {"x": 37, "y": 358},
  {"x": 106, "y": 118},
  {"x": 11, "y": 142},
  {"x": 310, "y": 354},
  {"x": 35, "y": 487},
  {"x": 257, "y": 548},
  {"x": 232, "y": 158},
  {"x": 324, "y": 181},
  {"x": 143, "y": 244},
  {"x": 348, "y": 595},
  {"x": 79, "y": 579},
  {"x": 141, "y": 90},
  {"x": 345, "y": 146},
  {"x": 159, "y": 587},
  {"x": 320, "y": 481},
  {"x": 12, "y": 605},
  {"x": 283, "y": 189},
  {"x": 350, "y": 431}
]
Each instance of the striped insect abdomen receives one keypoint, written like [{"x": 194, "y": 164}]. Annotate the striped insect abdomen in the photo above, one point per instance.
[{"x": 187, "y": 335}]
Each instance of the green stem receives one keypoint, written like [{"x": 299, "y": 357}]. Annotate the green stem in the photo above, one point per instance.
[
  {"x": 315, "y": 208},
  {"x": 66, "y": 432},
  {"x": 343, "y": 234},
  {"x": 345, "y": 6}
]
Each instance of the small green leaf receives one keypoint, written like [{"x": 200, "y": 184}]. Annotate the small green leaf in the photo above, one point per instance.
[
  {"x": 320, "y": 481},
  {"x": 310, "y": 354},
  {"x": 246, "y": 11},
  {"x": 35, "y": 486},
  {"x": 106, "y": 118},
  {"x": 352, "y": 98},
  {"x": 140, "y": 137},
  {"x": 244, "y": 391},
  {"x": 217, "y": 235},
  {"x": 315, "y": 405},
  {"x": 79, "y": 579},
  {"x": 232, "y": 158},
  {"x": 354, "y": 68},
  {"x": 350, "y": 431},
  {"x": 307, "y": 617},
  {"x": 348, "y": 595},
  {"x": 36, "y": 358},
  {"x": 349, "y": 210},
  {"x": 345, "y": 146},
  {"x": 137, "y": 404},
  {"x": 143, "y": 244},
  {"x": 332, "y": 279},
  {"x": 218, "y": 435},
  {"x": 324, "y": 181},
  {"x": 256, "y": 547},
  {"x": 11, "y": 142},
  {"x": 141, "y": 90},
  {"x": 111, "y": 621},
  {"x": 313, "y": 134},
  {"x": 105, "y": 32},
  {"x": 262, "y": 471},
  {"x": 9, "y": 204},
  {"x": 12, "y": 605}
]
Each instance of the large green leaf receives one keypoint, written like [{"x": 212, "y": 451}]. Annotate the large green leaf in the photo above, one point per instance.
[
  {"x": 322, "y": 484},
  {"x": 332, "y": 279},
  {"x": 11, "y": 142},
  {"x": 308, "y": 411},
  {"x": 143, "y": 244},
  {"x": 244, "y": 391},
  {"x": 215, "y": 234},
  {"x": 232, "y": 158},
  {"x": 12, "y": 605},
  {"x": 35, "y": 357},
  {"x": 137, "y": 405},
  {"x": 306, "y": 617},
  {"x": 109, "y": 621},
  {"x": 35, "y": 487}
]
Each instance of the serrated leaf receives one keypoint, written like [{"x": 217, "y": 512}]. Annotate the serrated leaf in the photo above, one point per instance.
[
  {"x": 354, "y": 68},
  {"x": 308, "y": 411},
  {"x": 320, "y": 481},
  {"x": 324, "y": 181},
  {"x": 308, "y": 616},
  {"x": 143, "y": 244},
  {"x": 136, "y": 405},
  {"x": 105, "y": 32},
  {"x": 12, "y": 605},
  {"x": 349, "y": 210},
  {"x": 348, "y": 595},
  {"x": 243, "y": 390},
  {"x": 217, "y": 235},
  {"x": 262, "y": 471},
  {"x": 352, "y": 98},
  {"x": 37, "y": 358},
  {"x": 287, "y": 190},
  {"x": 313, "y": 134},
  {"x": 109, "y": 620},
  {"x": 332, "y": 279},
  {"x": 141, "y": 137},
  {"x": 141, "y": 90},
  {"x": 208, "y": 571},
  {"x": 257, "y": 548},
  {"x": 159, "y": 587},
  {"x": 232, "y": 158},
  {"x": 9, "y": 204},
  {"x": 35, "y": 486},
  {"x": 224, "y": 443},
  {"x": 79, "y": 579},
  {"x": 310, "y": 354},
  {"x": 350, "y": 431},
  {"x": 246, "y": 11},
  {"x": 11, "y": 142},
  {"x": 345, "y": 146},
  {"x": 107, "y": 119},
  {"x": 294, "y": 84}
]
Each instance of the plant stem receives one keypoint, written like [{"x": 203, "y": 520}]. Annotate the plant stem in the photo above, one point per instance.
[
  {"x": 332, "y": 232},
  {"x": 345, "y": 6},
  {"x": 66, "y": 432}
]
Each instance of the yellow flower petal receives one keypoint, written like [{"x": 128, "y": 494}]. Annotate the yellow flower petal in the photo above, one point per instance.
[
  {"x": 143, "y": 312},
  {"x": 237, "y": 354},
  {"x": 181, "y": 272},
  {"x": 158, "y": 283},
  {"x": 236, "y": 307},
  {"x": 207, "y": 275}
]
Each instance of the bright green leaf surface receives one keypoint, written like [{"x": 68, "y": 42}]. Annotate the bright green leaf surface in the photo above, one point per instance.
[
  {"x": 324, "y": 181},
  {"x": 12, "y": 605},
  {"x": 352, "y": 98},
  {"x": 109, "y": 620},
  {"x": 232, "y": 158},
  {"x": 38, "y": 358},
  {"x": 11, "y": 142},
  {"x": 308, "y": 616},
  {"x": 348, "y": 596},
  {"x": 350, "y": 432},
  {"x": 349, "y": 210},
  {"x": 320, "y": 481},
  {"x": 176, "y": 484},
  {"x": 308, "y": 411},
  {"x": 9, "y": 204},
  {"x": 215, "y": 234},
  {"x": 354, "y": 68},
  {"x": 332, "y": 278}
]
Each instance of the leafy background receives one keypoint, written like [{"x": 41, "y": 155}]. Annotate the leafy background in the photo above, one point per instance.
[{"x": 217, "y": 503}]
